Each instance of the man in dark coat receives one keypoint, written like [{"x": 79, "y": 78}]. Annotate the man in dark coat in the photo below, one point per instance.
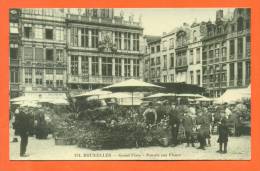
[
  {"x": 150, "y": 115},
  {"x": 23, "y": 127},
  {"x": 223, "y": 133},
  {"x": 174, "y": 123},
  {"x": 201, "y": 122},
  {"x": 188, "y": 125}
]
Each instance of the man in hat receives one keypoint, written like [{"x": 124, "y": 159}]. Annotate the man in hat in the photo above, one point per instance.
[
  {"x": 150, "y": 115},
  {"x": 23, "y": 127},
  {"x": 201, "y": 122},
  {"x": 223, "y": 133},
  {"x": 188, "y": 125},
  {"x": 174, "y": 121}
]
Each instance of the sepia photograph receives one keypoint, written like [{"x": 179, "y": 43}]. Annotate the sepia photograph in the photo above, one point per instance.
[{"x": 160, "y": 84}]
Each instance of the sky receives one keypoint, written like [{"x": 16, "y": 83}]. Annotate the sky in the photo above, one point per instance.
[{"x": 155, "y": 21}]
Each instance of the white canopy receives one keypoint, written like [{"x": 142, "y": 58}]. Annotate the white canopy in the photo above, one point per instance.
[
  {"x": 190, "y": 95},
  {"x": 158, "y": 95},
  {"x": 204, "y": 99},
  {"x": 96, "y": 92},
  {"x": 233, "y": 95}
]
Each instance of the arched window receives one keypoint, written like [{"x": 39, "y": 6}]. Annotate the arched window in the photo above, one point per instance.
[
  {"x": 194, "y": 36},
  {"x": 240, "y": 24}
]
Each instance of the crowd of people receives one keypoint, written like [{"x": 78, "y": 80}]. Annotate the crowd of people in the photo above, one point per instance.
[
  {"x": 191, "y": 123},
  {"x": 27, "y": 122},
  {"x": 188, "y": 123}
]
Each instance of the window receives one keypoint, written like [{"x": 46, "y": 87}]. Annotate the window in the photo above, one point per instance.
[
  {"x": 198, "y": 77},
  {"x": 95, "y": 12},
  {"x": 158, "y": 60},
  {"x": 28, "y": 80},
  {"x": 49, "y": 83},
  {"x": 219, "y": 30},
  {"x": 198, "y": 55},
  {"x": 239, "y": 73},
  {"x": 172, "y": 77},
  {"x": 136, "y": 67},
  {"x": 181, "y": 59},
  {"x": 14, "y": 28},
  {"x": 94, "y": 38},
  {"x": 239, "y": 47},
  {"x": 152, "y": 49},
  {"x": 194, "y": 36},
  {"x": 191, "y": 57},
  {"x": 104, "y": 13},
  {"x": 240, "y": 24},
  {"x": 136, "y": 42},
  {"x": 247, "y": 24},
  {"x": 13, "y": 51},
  {"x": 74, "y": 37},
  {"x": 118, "y": 67},
  {"x": 171, "y": 45},
  {"x": 28, "y": 53},
  {"x": 39, "y": 54},
  {"x": 59, "y": 83},
  {"x": 84, "y": 37},
  {"x": 224, "y": 52},
  {"x": 233, "y": 28},
  {"x": 165, "y": 78},
  {"x": 28, "y": 32},
  {"x": 232, "y": 47},
  {"x": 38, "y": 81},
  {"x": 231, "y": 71},
  {"x": 127, "y": 66},
  {"x": 38, "y": 71},
  {"x": 172, "y": 60},
  {"x": 74, "y": 65},
  {"x": 14, "y": 75},
  {"x": 59, "y": 34},
  {"x": 84, "y": 65},
  {"x": 38, "y": 32},
  {"x": 49, "y": 54},
  {"x": 95, "y": 66},
  {"x": 106, "y": 66},
  {"x": 28, "y": 75},
  {"x": 217, "y": 53},
  {"x": 248, "y": 73},
  {"x": 152, "y": 62},
  {"x": 164, "y": 61},
  {"x": 158, "y": 72},
  {"x": 211, "y": 54},
  {"x": 59, "y": 55},
  {"x": 191, "y": 77},
  {"x": 248, "y": 44},
  {"x": 127, "y": 41},
  {"x": 59, "y": 71},
  {"x": 49, "y": 71},
  {"x": 118, "y": 40},
  {"x": 158, "y": 48},
  {"x": 163, "y": 46},
  {"x": 49, "y": 34}
]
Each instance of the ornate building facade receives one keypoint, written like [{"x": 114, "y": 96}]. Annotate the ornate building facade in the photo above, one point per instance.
[
  {"x": 213, "y": 55},
  {"x": 102, "y": 49},
  {"x": 226, "y": 52},
  {"x": 53, "y": 50}
]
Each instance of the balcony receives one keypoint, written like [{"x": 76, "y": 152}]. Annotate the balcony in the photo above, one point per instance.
[
  {"x": 80, "y": 79},
  {"x": 14, "y": 62}
]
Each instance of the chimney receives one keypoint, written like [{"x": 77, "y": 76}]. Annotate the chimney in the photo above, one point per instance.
[{"x": 219, "y": 15}]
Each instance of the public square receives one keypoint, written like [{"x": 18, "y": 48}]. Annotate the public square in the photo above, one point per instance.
[{"x": 238, "y": 149}]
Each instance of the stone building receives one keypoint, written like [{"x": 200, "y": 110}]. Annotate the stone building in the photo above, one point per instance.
[
  {"x": 102, "y": 48},
  {"x": 226, "y": 52},
  {"x": 54, "y": 50}
]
